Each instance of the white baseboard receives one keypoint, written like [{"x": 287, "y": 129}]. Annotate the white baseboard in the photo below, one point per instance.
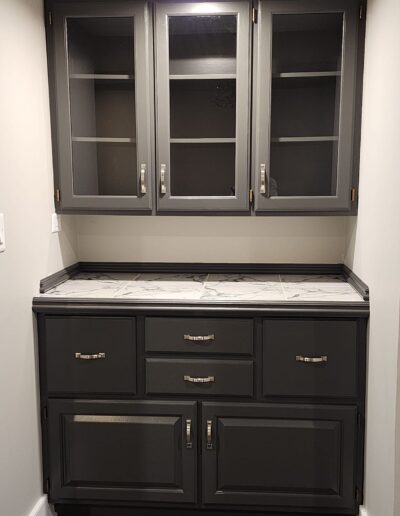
[
  {"x": 42, "y": 508},
  {"x": 363, "y": 511}
]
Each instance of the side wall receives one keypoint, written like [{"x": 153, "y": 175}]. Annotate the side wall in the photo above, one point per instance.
[
  {"x": 374, "y": 250},
  {"x": 26, "y": 199}
]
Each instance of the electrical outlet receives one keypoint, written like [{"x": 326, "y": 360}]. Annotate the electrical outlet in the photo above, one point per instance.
[
  {"x": 55, "y": 223},
  {"x": 2, "y": 234}
]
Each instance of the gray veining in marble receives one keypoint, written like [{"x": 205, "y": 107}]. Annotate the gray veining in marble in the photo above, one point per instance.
[{"x": 242, "y": 288}]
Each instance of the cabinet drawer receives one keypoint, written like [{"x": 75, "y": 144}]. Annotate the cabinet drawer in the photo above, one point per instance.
[
  {"x": 107, "y": 360},
  {"x": 199, "y": 335},
  {"x": 205, "y": 377},
  {"x": 310, "y": 358}
]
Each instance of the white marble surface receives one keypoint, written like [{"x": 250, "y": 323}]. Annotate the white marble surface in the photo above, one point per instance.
[{"x": 241, "y": 288}]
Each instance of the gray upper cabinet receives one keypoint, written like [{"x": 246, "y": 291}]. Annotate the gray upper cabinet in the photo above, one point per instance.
[
  {"x": 304, "y": 104},
  {"x": 103, "y": 104},
  {"x": 202, "y": 90}
]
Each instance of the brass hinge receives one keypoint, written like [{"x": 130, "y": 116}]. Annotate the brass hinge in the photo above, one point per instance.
[
  {"x": 57, "y": 195},
  {"x": 44, "y": 413},
  {"x": 361, "y": 12},
  {"x": 358, "y": 495},
  {"x": 50, "y": 18},
  {"x": 254, "y": 15},
  {"x": 353, "y": 195},
  {"x": 251, "y": 197},
  {"x": 47, "y": 486}
]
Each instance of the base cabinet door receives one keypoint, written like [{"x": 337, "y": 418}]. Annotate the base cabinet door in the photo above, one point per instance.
[
  {"x": 122, "y": 450},
  {"x": 279, "y": 455}
]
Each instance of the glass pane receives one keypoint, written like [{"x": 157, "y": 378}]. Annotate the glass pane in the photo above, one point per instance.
[
  {"x": 104, "y": 168},
  {"x": 203, "y": 109},
  {"x": 102, "y": 105},
  {"x": 305, "y": 103},
  {"x": 202, "y": 44},
  {"x": 303, "y": 169},
  {"x": 203, "y": 169}
]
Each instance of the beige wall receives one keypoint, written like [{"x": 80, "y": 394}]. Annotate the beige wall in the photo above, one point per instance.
[
  {"x": 212, "y": 239},
  {"x": 32, "y": 251},
  {"x": 374, "y": 249}
]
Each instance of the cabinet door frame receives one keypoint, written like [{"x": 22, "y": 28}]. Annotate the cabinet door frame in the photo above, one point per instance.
[
  {"x": 346, "y": 415},
  {"x": 143, "y": 81},
  {"x": 262, "y": 104},
  {"x": 58, "y": 409},
  {"x": 240, "y": 201}
]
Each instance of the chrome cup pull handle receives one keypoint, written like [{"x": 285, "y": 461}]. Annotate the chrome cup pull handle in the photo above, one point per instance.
[
  {"x": 311, "y": 360},
  {"x": 202, "y": 338},
  {"x": 96, "y": 356},
  {"x": 189, "y": 443},
  {"x": 199, "y": 379},
  {"x": 143, "y": 187},
  {"x": 163, "y": 172},
  {"x": 209, "y": 435}
]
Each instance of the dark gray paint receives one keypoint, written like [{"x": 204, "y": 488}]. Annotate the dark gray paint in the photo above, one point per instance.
[
  {"x": 166, "y": 376},
  {"x": 262, "y": 108},
  {"x": 121, "y": 450},
  {"x": 280, "y": 455},
  {"x": 284, "y": 339},
  {"x": 231, "y": 336},
  {"x": 114, "y": 336},
  {"x": 143, "y": 68}
]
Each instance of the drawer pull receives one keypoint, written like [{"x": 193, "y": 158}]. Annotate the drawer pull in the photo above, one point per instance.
[
  {"x": 311, "y": 360},
  {"x": 189, "y": 443},
  {"x": 199, "y": 337},
  {"x": 96, "y": 356},
  {"x": 199, "y": 379},
  {"x": 209, "y": 435}
]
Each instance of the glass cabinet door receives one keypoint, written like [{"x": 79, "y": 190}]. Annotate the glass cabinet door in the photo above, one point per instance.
[
  {"x": 304, "y": 105},
  {"x": 202, "y": 84},
  {"x": 103, "y": 101}
]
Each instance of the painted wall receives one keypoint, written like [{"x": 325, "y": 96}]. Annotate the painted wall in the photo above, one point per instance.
[
  {"x": 212, "y": 239},
  {"x": 374, "y": 250},
  {"x": 26, "y": 193}
]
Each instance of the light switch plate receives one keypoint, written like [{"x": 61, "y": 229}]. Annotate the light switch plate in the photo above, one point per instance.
[
  {"x": 55, "y": 223},
  {"x": 2, "y": 234}
]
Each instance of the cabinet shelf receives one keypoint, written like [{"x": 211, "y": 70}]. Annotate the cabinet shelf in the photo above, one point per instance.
[
  {"x": 202, "y": 140},
  {"x": 102, "y": 140},
  {"x": 294, "y": 139},
  {"x": 204, "y": 76},
  {"x": 102, "y": 76},
  {"x": 296, "y": 75}
]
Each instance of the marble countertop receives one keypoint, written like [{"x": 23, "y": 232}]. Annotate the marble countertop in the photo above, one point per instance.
[{"x": 206, "y": 288}]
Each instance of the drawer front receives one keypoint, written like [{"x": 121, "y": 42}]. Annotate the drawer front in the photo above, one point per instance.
[
  {"x": 204, "y": 377},
  {"x": 199, "y": 335},
  {"x": 90, "y": 355},
  {"x": 310, "y": 358}
]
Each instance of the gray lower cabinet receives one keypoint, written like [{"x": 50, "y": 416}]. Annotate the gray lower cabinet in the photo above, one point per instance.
[
  {"x": 122, "y": 450},
  {"x": 101, "y": 58},
  {"x": 203, "y": 90},
  {"x": 304, "y": 104},
  {"x": 279, "y": 455}
]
